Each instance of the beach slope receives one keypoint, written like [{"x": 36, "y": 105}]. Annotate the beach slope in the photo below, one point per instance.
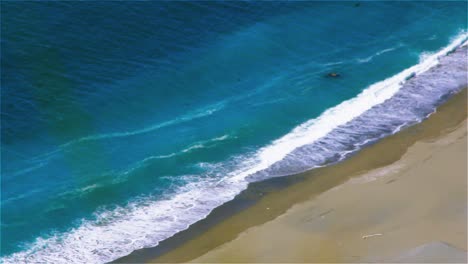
[{"x": 412, "y": 210}]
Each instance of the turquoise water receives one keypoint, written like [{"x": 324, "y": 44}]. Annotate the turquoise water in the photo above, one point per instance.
[{"x": 123, "y": 123}]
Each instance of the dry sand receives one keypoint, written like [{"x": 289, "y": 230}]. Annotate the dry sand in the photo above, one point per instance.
[
  {"x": 403, "y": 199},
  {"x": 383, "y": 215}
]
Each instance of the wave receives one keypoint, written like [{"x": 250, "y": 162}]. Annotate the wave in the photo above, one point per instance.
[
  {"x": 203, "y": 112},
  {"x": 405, "y": 99},
  {"x": 46, "y": 157},
  {"x": 341, "y": 114},
  {"x": 204, "y": 144},
  {"x": 381, "y": 109},
  {"x": 197, "y": 145},
  {"x": 367, "y": 59}
]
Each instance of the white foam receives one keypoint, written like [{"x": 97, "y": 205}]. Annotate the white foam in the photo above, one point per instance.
[
  {"x": 333, "y": 63},
  {"x": 205, "y": 111},
  {"x": 204, "y": 144},
  {"x": 198, "y": 113},
  {"x": 197, "y": 145},
  {"x": 145, "y": 223},
  {"x": 314, "y": 129},
  {"x": 367, "y": 59},
  {"x": 425, "y": 55},
  {"x": 118, "y": 232}
]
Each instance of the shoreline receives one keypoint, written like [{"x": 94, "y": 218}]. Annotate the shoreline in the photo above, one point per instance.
[
  {"x": 392, "y": 108},
  {"x": 249, "y": 208},
  {"x": 413, "y": 210},
  {"x": 169, "y": 132}
]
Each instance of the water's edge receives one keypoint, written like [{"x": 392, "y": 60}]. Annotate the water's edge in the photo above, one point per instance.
[
  {"x": 382, "y": 109},
  {"x": 257, "y": 190},
  {"x": 247, "y": 209}
]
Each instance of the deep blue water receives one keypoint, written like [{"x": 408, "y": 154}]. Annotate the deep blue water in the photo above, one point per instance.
[{"x": 148, "y": 115}]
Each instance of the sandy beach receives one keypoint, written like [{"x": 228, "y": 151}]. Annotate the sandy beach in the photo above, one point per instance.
[
  {"x": 413, "y": 210},
  {"x": 402, "y": 199},
  {"x": 234, "y": 132}
]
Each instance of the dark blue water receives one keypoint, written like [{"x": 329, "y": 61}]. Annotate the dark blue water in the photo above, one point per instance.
[{"x": 123, "y": 123}]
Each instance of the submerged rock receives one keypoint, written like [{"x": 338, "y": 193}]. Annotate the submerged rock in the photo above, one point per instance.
[{"x": 333, "y": 74}]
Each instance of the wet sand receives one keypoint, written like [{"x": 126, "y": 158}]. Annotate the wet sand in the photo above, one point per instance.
[
  {"x": 407, "y": 193},
  {"x": 413, "y": 210}
]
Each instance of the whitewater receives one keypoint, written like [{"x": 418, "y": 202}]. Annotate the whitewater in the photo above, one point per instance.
[{"x": 338, "y": 132}]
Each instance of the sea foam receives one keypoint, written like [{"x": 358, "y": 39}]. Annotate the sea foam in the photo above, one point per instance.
[{"x": 330, "y": 137}]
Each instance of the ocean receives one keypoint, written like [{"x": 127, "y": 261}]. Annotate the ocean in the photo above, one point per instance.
[{"x": 122, "y": 123}]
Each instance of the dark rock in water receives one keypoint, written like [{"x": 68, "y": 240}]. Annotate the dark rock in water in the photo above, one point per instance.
[
  {"x": 357, "y": 4},
  {"x": 410, "y": 76},
  {"x": 333, "y": 74},
  {"x": 451, "y": 51}
]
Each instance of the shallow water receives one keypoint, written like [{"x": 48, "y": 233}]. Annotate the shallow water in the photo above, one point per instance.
[{"x": 123, "y": 123}]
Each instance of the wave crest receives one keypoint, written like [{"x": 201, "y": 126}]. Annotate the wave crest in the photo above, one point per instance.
[{"x": 383, "y": 108}]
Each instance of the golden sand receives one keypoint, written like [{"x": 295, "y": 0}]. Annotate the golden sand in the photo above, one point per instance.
[{"x": 395, "y": 200}]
